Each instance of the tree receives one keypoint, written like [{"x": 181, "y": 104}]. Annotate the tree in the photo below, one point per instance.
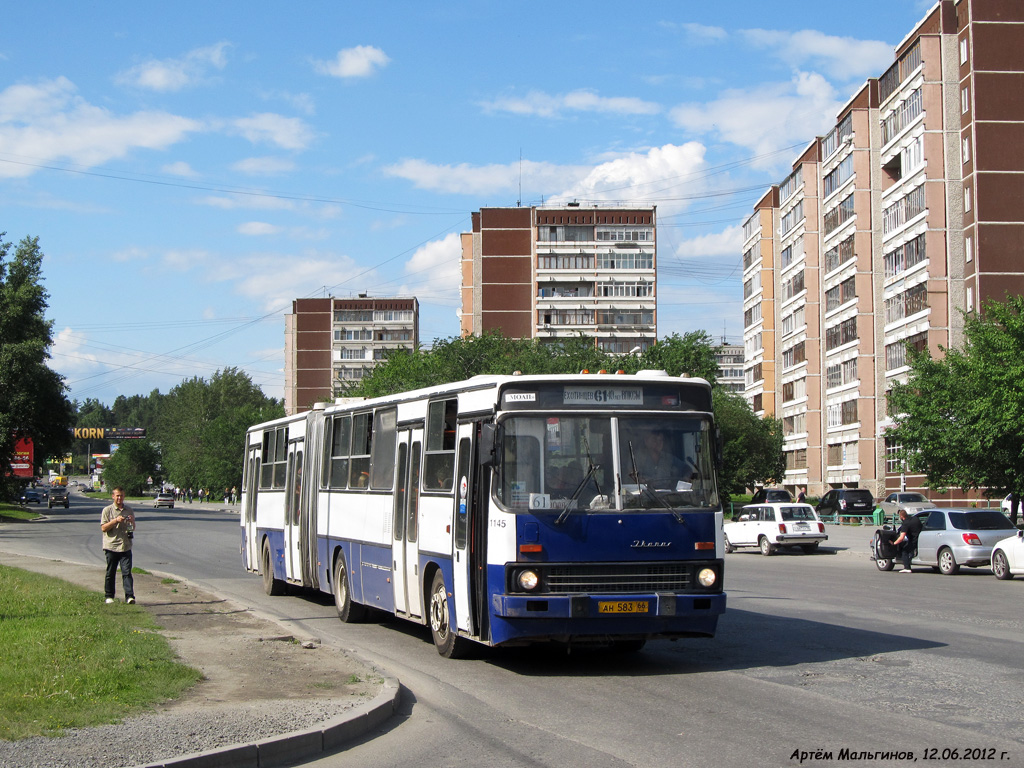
[
  {"x": 959, "y": 419},
  {"x": 33, "y": 398},
  {"x": 201, "y": 428},
  {"x": 131, "y": 466},
  {"x": 752, "y": 447}
]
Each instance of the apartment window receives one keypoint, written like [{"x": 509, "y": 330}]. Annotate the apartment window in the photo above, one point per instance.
[
  {"x": 841, "y": 334},
  {"x": 790, "y": 185},
  {"x": 793, "y": 286},
  {"x": 794, "y": 390},
  {"x": 758, "y": 372},
  {"x": 842, "y": 414},
  {"x": 794, "y": 217},
  {"x": 792, "y": 322},
  {"x": 908, "y": 255},
  {"x": 896, "y": 353},
  {"x": 840, "y": 294},
  {"x": 838, "y": 176},
  {"x": 794, "y": 355},
  {"x": 970, "y": 298},
  {"x": 625, "y": 260},
  {"x": 794, "y": 425},
  {"x": 969, "y": 248},
  {"x": 838, "y": 374},
  {"x": 965, "y": 99},
  {"x": 758, "y": 404},
  {"x": 966, "y": 151},
  {"x": 796, "y": 459},
  {"x": 753, "y": 344},
  {"x": 752, "y": 316},
  {"x": 963, "y": 51},
  {"x": 892, "y": 461},
  {"x": 839, "y": 215},
  {"x": 839, "y": 255},
  {"x": 967, "y": 199},
  {"x": 752, "y": 286}
]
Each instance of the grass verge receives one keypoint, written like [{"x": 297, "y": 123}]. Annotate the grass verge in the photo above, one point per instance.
[
  {"x": 72, "y": 661},
  {"x": 17, "y": 512}
]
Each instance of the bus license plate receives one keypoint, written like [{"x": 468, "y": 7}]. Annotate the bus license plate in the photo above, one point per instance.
[{"x": 623, "y": 606}]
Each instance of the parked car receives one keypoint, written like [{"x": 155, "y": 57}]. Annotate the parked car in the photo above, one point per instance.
[
  {"x": 846, "y": 501},
  {"x": 58, "y": 496},
  {"x": 1008, "y": 557},
  {"x": 768, "y": 495},
  {"x": 949, "y": 539},
  {"x": 774, "y": 525},
  {"x": 911, "y": 502},
  {"x": 31, "y": 495},
  {"x": 1007, "y": 506},
  {"x": 164, "y": 500}
]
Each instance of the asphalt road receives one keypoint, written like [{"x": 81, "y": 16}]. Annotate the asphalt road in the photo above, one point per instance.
[{"x": 815, "y": 653}]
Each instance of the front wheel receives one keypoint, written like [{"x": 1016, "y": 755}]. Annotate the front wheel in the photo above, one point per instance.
[
  {"x": 271, "y": 586},
  {"x": 1000, "y": 565},
  {"x": 766, "y": 546},
  {"x": 948, "y": 565},
  {"x": 446, "y": 638},
  {"x": 348, "y": 611}
]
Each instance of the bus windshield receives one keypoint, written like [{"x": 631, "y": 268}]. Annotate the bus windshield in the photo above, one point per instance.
[{"x": 594, "y": 463}]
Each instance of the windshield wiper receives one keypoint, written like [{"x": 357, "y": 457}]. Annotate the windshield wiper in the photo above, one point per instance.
[
  {"x": 591, "y": 469},
  {"x": 643, "y": 487}
]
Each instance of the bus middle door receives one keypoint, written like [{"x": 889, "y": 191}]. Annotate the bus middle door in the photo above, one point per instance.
[
  {"x": 252, "y": 473},
  {"x": 405, "y": 549},
  {"x": 292, "y": 512}
]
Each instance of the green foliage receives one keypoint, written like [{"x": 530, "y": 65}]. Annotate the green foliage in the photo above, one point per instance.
[
  {"x": 960, "y": 419},
  {"x": 752, "y": 447},
  {"x": 131, "y": 465},
  {"x": 33, "y": 399},
  {"x": 201, "y": 428},
  {"x": 70, "y": 661}
]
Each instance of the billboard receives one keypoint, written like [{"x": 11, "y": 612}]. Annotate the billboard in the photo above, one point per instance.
[
  {"x": 108, "y": 433},
  {"x": 22, "y": 462}
]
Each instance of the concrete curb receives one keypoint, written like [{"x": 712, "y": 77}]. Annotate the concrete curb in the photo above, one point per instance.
[{"x": 297, "y": 746}]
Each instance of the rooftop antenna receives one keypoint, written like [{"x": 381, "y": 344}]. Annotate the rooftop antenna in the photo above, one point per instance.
[{"x": 519, "y": 201}]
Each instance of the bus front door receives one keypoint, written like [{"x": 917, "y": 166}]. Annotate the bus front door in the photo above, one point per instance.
[{"x": 405, "y": 524}]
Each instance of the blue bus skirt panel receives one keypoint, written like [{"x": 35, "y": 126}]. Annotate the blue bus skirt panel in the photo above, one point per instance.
[
  {"x": 276, "y": 540},
  {"x": 369, "y": 567},
  {"x": 578, "y": 616}
]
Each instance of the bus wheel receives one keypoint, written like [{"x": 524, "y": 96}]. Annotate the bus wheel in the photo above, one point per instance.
[
  {"x": 271, "y": 586},
  {"x": 446, "y": 638},
  {"x": 348, "y": 611}
]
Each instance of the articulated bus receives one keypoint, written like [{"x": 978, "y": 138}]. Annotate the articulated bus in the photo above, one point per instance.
[{"x": 502, "y": 510}]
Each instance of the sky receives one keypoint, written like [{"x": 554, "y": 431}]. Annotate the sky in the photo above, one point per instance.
[{"x": 191, "y": 168}]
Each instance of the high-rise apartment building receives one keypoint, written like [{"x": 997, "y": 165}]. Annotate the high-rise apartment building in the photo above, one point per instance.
[
  {"x": 551, "y": 272},
  {"x": 730, "y": 367},
  {"x": 330, "y": 343},
  {"x": 904, "y": 216}
]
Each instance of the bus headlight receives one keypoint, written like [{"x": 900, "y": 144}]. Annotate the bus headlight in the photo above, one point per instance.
[
  {"x": 528, "y": 580},
  {"x": 707, "y": 577}
]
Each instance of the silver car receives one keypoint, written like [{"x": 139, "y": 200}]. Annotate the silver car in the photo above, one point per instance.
[{"x": 952, "y": 538}]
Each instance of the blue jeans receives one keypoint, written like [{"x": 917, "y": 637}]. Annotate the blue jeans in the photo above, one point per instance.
[{"x": 124, "y": 560}]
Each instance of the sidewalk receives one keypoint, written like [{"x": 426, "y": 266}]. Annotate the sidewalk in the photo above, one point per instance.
[{"x": 255, "y": 673}]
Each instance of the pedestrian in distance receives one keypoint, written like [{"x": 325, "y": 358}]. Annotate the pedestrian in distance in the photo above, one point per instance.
[{"x": 117, "y": 522}]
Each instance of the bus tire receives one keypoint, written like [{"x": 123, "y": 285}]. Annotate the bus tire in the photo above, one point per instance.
[
  {"x": 348, "y": 611},
  {"x": 446, "y": 637},
  {"x": 271, "y": 586}
]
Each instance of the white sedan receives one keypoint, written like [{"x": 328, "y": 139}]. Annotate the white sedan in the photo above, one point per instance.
[
  {"x": 770, "y": 526},
  {"x": 1008, "y": 557}
]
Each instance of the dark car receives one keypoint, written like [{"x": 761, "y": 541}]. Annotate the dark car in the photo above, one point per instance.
[
  {"x": 58, "y": 497},
  {"x": 771, "y": 496},
  {"x": 846, "y": 501},
  {"x": 31, "y": 495}
]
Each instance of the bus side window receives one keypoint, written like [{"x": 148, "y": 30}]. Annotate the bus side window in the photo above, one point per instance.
[
  {"x": 439, "y": 463},
  {"x": 359, "y": 464}
]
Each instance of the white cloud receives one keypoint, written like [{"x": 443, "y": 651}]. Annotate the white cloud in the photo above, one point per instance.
[
  {"x": 361, "y": 61},
  {"x": 767, "y": 117},
  {"x": 491, "y": 179},
  {"x": 260, "y": 277},
  {"x": 175, "y": 74},
  {"x": 180, "y": 168},
  {"x": 264, "y": 166},
  {"x": 49, "y": 121},
  {"x": 699, "y": 33},
  {"x": 247, "y": 202},
  {"x": 639, "y": 175},
  {"x": 271, "y": 128},
  {"x": 729, "y": 242},
  {"x": 436, "y": 266},
  {"x": 844, "y": 58},
  {"x": 258, "y": 228},
  {"x": 545, "y": 105}
]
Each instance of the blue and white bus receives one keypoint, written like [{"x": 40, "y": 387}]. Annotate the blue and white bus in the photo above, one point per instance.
[{"x": 503, "y": 510}]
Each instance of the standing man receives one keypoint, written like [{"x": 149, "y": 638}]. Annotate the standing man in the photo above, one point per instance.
[
  {"x": 906, "y": 542},
  {"x": 118, "y": 525}
]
